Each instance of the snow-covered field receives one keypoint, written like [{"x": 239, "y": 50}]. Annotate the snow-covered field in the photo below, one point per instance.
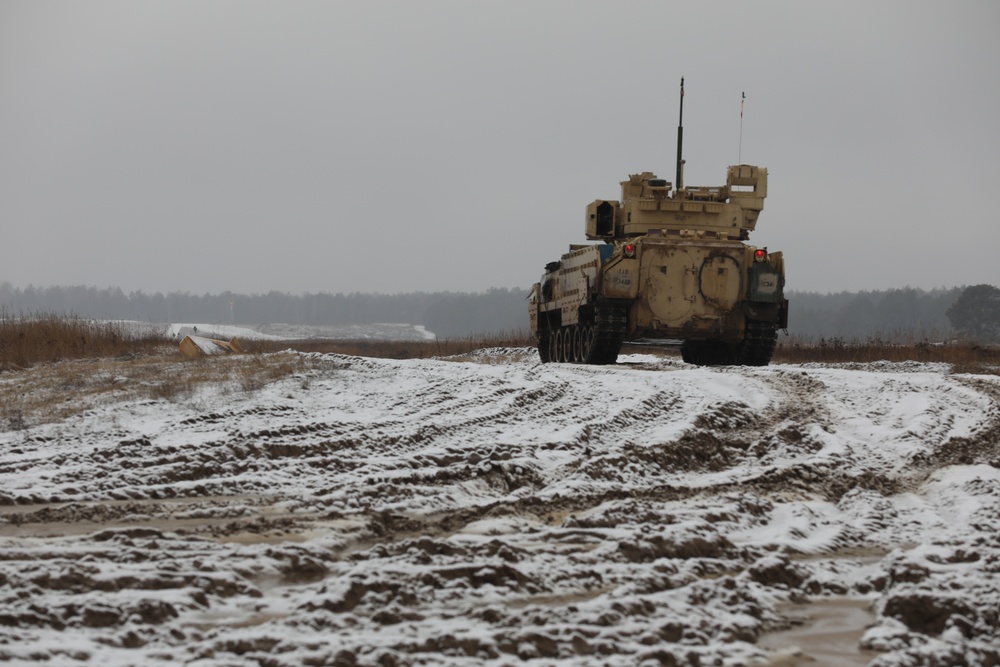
[
  {"x": 492, "y": 510},
  {"x": 387, "y": 332}
]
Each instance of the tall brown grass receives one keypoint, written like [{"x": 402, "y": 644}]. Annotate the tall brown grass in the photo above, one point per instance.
[
  {"x": 964, "y": 356},
  {"x": 27, "y": 340}
]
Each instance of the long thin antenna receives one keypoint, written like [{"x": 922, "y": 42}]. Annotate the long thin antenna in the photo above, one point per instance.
[
  {"x": 742, "y": 100},
  {"x": 680, "y": 141}
]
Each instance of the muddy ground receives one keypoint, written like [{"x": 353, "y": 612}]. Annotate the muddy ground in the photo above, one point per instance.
[{"x": 493, "y": 510}]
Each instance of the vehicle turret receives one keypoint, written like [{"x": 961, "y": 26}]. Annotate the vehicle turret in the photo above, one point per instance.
[{"x": 650, "y": 205}]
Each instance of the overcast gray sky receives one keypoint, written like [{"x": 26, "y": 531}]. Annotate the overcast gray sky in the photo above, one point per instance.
[{"x": 253, "y": 146}]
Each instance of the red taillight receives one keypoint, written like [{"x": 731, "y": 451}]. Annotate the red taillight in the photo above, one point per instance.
[
  {"x": 759, "y": 255},
  {"x": 629, "y": 250}
]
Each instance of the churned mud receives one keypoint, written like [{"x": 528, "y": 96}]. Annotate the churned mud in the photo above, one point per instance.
[
  {"x": 826, "y": 631},
  {"x": 492, "y": 510}
]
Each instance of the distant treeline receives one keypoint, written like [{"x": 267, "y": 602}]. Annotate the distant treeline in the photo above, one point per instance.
[
  {"x": 447, "y": 314},
  {"x": 852, "y": 315},
  {"x": 888, "y": 314}
]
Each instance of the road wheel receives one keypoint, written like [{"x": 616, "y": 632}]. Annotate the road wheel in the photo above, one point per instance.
[
  {"x": 587, "y": 344},
  {"x": 554, "y": 346},
  {"x": 578, "y": 344},
  {"x": 567, "y": 344}
]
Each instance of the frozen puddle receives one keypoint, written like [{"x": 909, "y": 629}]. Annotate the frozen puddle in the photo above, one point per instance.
[{"x": 827, "y": 631}]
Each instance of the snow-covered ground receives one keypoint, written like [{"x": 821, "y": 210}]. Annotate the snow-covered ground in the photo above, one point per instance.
[
  {"x": 489, "y": 509},
  {"x": 388, "y": 331}
]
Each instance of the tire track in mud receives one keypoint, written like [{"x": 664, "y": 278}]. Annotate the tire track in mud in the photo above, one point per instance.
[
  {"x": 808, "y": 411},
  {"x": 983, "y": 446},
  {"x": 482, "y": 515},
  {"x": 322, "y": 451},
  {"x": 723, "y": 435}
]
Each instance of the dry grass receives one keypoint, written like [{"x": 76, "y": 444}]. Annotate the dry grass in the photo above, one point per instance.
[
  {"x": 964, "y": 356},
  {"x": 257, "y": 371},
  {"x": 51, "y": 392},
  {"x": 33, "y": 339}
]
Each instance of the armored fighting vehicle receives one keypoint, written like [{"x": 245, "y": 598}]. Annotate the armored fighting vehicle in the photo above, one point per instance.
[{"x": 673, "y": 265}]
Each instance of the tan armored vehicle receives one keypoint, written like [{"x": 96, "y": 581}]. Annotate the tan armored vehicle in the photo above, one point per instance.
[{"x": 673, "y": 266}]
